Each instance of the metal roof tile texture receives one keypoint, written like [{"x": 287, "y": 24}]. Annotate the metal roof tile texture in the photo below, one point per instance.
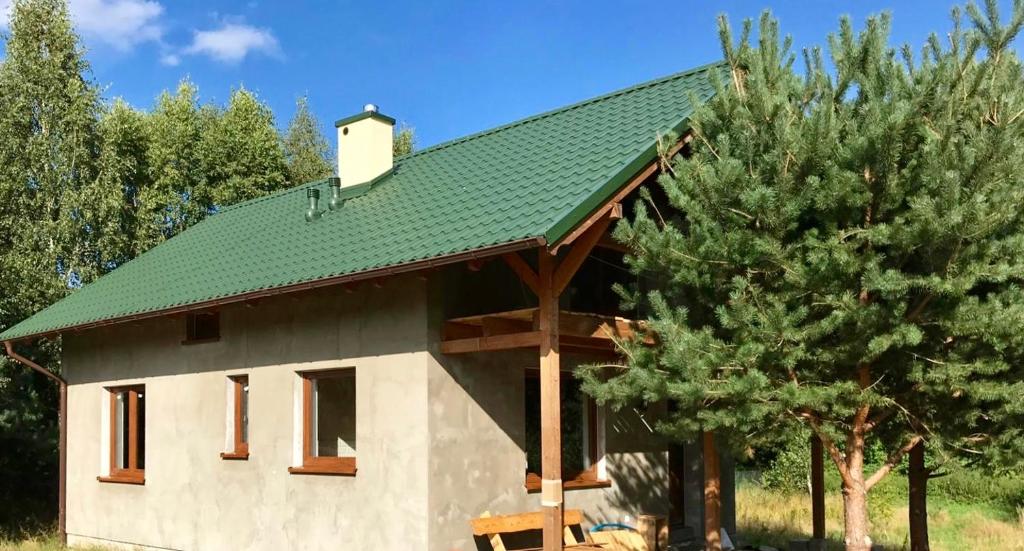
[{"x": 535, "y": 178}]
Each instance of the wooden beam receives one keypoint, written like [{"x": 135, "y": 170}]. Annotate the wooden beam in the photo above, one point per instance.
[
  {"x": 633, "y": 183},
  {"x": 523, "y": 270},
  {"x": 506, "y": 524},
  {"x": 550, "y": 405},
  {"x": 580, "y": 251},
  {"x": 817, "y": 488},
  {"x": 453, "y": 330},
  {"x": 493, "y": 326},
  {"x": 487, "y": 344},
  {"x": 606, "y": 242},
  {"x": 712, "y": 495}
]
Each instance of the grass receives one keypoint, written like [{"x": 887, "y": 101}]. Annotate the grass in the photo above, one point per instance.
[
  {"x": 771, "y": 517},
  {"x": 767, "y": 517}
]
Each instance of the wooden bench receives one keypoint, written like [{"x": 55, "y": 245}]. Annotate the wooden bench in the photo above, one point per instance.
[{"x": 494, "y": 526}]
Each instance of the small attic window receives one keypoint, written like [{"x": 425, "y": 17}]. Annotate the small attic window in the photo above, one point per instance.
[{"x": 202, "y": 327}]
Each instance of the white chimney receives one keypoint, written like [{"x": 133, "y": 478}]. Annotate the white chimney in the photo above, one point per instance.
[{"x": 364, "y": 146}]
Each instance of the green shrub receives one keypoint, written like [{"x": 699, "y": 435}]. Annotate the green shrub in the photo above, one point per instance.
[
  {"x": 790, "y": 468},
  {"x": 972, "y": 486}
]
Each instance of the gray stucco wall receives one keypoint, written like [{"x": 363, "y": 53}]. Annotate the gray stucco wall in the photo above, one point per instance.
[
  {"x": 440, "y": 439},
  {"x": 194, "y": 500}
]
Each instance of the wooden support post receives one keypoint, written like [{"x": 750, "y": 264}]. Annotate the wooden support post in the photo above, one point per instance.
[
  {"x": 712, "y": 496},
  {"x": 817, "y": 488},
  {"x": 550, "y": 406}
]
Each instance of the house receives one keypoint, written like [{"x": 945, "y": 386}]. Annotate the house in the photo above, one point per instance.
[{"x": 370, "y": 361}]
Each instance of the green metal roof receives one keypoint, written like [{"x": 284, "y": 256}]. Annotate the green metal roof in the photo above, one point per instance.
[{"x": 529, "y": 180}]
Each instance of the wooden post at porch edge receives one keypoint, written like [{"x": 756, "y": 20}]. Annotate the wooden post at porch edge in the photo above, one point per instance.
[
  {"x": 550, "y": 407},
  {"x": 817, "y": 488},
  {"x": 712, "y": 496}
]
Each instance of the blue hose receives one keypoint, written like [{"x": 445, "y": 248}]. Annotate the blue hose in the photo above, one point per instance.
[{"x": 611, "y": 526}]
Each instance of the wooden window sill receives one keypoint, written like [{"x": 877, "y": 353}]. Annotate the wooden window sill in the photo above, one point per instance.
[
  {"x": 122, "y": 479},
  {"x": 235, "y": 456},
  {"x": 324, "y": 470}
]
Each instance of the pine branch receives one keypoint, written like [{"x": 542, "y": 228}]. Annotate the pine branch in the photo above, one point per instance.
[
  {"x": 891, "y": 462},
  {"x": 830, "y": 446}
]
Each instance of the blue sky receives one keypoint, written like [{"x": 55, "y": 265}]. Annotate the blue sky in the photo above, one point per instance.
[{"x": 445, "y": 68}]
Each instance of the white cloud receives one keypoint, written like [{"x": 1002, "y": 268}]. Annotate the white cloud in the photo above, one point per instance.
[
  {"x": 233, "y": 41},
  {"x": 171, "y": 60},
  {"x": 118, "y": 23}
]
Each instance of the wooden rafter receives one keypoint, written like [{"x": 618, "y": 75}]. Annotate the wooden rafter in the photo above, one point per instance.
[
  {"x": 633, "y": 183},
  {"x": 581, "y": 250},
  {"x": 523, "y": 270}
]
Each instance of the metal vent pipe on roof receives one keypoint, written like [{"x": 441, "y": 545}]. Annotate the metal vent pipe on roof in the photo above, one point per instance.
[
  {"x": 335, "y": 202},
  {"x": 314, "y": 211}
]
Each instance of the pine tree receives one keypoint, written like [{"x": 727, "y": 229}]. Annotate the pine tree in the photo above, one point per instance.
[
  {"x": 838, "y": 249},
  {"x": 305, "y": 147}
]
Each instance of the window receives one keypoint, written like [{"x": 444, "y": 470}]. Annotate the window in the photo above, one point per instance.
[
  {"x": 127, "y": 435},
  {"x": 202, "y": 327},
  {"x": 328, "y": 422},
  {"x": 238, "y": 414},
  {"x": 582, "y": 449}
]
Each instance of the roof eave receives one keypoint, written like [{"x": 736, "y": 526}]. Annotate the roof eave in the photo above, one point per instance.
[{"x": 394, "y": 269}]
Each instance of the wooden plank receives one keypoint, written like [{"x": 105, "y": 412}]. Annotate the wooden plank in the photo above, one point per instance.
[
  {"x": 454, "y": 330},
  {"x": 580, "y": 251},
  {"x": 496, "y": 325},
  {"x": 522, "y": 522},
  {"x": 524, "y": 314},
  {"x": 550, "y": 405},
  {"x": 498, "y": 342},
  {"x": 523, "y": 270}
]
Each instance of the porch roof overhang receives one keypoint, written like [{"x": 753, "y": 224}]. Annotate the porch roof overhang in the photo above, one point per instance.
[{"x": 577, "y": 332}]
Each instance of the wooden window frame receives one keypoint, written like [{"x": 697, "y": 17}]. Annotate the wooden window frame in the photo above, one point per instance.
[
  {"x": 239, "y": 448},
  {"x": 132, "y": 474},
  {"x": 313, "y": 464},
  {"x": 589, "y": 477},
  {"x": 190, "y": 328}
]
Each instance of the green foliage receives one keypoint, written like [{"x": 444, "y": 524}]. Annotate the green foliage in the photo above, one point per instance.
[
  {"x": 85, "y": 187},
  {"x": 241, "y": 151},
  {"x": 843, "y": 250},
  {"x": 305, "y": 148},
  {"x": 1005, "y": 492},
  {"x": 790, "y": 469},
  {"x": 178, "y": 195},
  {"x": 404, "y": 142}
]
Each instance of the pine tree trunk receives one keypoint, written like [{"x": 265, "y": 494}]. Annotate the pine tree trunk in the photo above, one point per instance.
[
  {"x": 712, "y": 496},
  {"x": 855, "y": 497},
  {"x": 918, "y": 475},
  {"x": 855, "y": 509}
]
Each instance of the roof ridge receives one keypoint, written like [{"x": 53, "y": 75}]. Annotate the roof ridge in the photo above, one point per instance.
[{"x": 565, "y": 108}]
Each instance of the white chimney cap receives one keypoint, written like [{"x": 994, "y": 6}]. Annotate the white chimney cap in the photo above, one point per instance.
[{"x": 370, "y": 108}]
